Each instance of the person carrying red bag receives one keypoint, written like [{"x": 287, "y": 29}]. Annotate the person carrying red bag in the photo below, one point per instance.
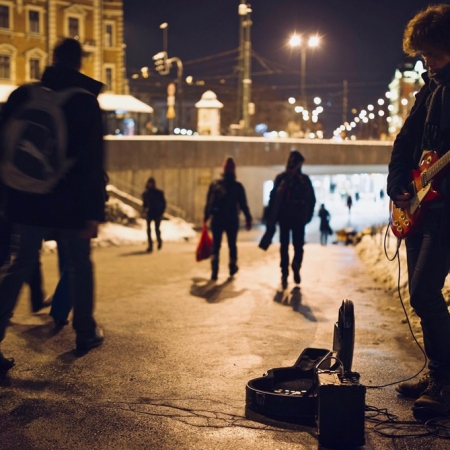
[{"x": 225, "y": 200}]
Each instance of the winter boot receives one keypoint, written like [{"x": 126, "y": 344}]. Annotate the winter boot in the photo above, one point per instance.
[
  {"x": 436, "y": 398},
  {"x": 5, "y": 363},
  {"x": 413, "y": 389},
  {"x": 284, "y": 277},
  {"x": 296, "y": 271},
  {"x": 214, "y": 268},
  {"x": 233, "y": 268}
]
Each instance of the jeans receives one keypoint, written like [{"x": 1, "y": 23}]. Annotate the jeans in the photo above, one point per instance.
[
  {"x": 157, "y": 222},
  {"x": 428, "y": 266},
  {"x": 231, "y": 229},
  {"x": 26, "y": 243},
  {"x": 298, "y": 241},
  {"x": 61, "y": 302}
]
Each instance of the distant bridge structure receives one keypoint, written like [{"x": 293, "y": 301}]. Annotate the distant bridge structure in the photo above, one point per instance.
[{"x": 184, "y": 166}]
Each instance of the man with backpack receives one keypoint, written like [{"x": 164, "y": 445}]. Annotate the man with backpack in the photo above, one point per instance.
[
  {"x": 52, "y": 174},
  {"x": 291, "y": 205}
]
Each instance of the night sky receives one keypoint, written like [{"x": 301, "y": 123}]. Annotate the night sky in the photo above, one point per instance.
[{"x": 361, "y": 39}]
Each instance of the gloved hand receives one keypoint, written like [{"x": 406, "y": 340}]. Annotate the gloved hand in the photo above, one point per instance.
[
  {"x": 248, "y": 225},
  {"x": 400, "y": 197}
]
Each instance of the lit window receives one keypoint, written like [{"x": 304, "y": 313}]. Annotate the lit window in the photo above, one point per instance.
[
  {"x": 109, "y": 35},
  {"x": 35, "y": 69},
  {"x": 74, "y": 27},
  {"x": 34, "y": 21},
  {"x": 4, "y": 16},
  {"x": 5, "y": 67},
  {"x": 109, "y": 78}
]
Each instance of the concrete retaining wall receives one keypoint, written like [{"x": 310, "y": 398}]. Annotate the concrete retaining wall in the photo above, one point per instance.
[{"x": 184, "y": 166}]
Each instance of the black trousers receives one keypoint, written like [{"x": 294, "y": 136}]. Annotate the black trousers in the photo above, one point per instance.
[
  {"x": 35, "y": 281},
  {"x": 157, "y": 222},
  {"x": 428, "y": 267},
  {"x": 230, "y": 228},
  {"x": 297, "y": 231}
]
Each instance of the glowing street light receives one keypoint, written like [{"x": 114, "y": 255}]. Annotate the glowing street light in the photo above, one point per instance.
[{"x": 297, "y": 41}]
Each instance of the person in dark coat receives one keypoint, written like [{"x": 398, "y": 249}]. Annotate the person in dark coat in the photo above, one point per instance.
[
  {"x": 291, "y": 205},
  {"x": 154, "y": 204},
  {"x": 75, "y": 206},
  {"x": 349, "y": 203},
  {"x": 324, "y": 227},
  {"x": 424, "y": 135},
  {"x": 226, "y": 198}
]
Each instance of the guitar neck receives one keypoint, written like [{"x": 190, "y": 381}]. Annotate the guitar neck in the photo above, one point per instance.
[{"x": 439, "y": 165}]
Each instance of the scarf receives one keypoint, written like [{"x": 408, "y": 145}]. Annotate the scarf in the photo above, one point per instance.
[{"x": 437, "y": 123}]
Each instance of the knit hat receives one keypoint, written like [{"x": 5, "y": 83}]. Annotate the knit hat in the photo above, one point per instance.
[
  {"x": 294, "y": 160},
  {"x": 229, "y": 166}
]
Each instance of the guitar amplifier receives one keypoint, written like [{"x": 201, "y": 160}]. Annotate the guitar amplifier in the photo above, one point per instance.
[{"x": 341, "y": 409}]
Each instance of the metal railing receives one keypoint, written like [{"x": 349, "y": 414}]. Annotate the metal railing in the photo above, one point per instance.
[{"x": 131, "y": 195}]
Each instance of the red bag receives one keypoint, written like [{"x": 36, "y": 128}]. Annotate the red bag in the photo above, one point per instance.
[{"x": 204, "y": 247}]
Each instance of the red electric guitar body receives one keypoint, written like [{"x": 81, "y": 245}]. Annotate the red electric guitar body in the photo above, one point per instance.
[{"x": 423, "y": 189}]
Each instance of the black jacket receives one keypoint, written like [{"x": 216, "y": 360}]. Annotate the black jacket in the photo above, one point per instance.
[
  {"x": 406, "y": 155},
  {"x": 154, "y": 203},
  {"x": 81, "y": 195},
  {"x": 292, "y": 199},
  {"x": 225, "y": 200}
]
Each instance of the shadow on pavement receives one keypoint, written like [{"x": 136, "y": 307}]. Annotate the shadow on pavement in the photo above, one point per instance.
[
  {"x": 213, "y": 292},
  {"x": 293, "y": 299},
  {"x": 136, "y": 253}
]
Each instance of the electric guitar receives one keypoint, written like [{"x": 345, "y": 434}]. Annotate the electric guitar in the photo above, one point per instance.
[{"x": 404, "y": 221}]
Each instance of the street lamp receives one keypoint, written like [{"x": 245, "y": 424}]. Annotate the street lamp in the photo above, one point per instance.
[
  {"x": 163, "y": 65},
  {"x": 297, "y": 41},
  {"x": 245, "y": 52},
  {"x": 165, "y": 27}
]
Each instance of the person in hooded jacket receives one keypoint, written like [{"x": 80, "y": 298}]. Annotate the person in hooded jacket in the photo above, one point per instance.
[
  {"x": 324, "y": 226},
  {"x": 75, "y": 206},
  {"x": 424, "y": 136},
  {"x": 225, "y": 200},
  {"x": 291, "y": 205},
  {"x": 154, "y": 204}
]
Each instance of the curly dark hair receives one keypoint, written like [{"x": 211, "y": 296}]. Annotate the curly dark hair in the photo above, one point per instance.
[{"x": 429, "y": 27}]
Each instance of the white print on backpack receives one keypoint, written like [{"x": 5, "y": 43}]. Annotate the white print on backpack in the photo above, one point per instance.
[{"x": 34, "y": 142}]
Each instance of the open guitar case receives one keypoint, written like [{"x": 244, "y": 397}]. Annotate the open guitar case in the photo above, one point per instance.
[{"x": 289, "y": 393}]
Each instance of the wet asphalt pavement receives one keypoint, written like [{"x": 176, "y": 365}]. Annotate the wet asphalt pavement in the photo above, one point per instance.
[{"x": 179, "y": 351}]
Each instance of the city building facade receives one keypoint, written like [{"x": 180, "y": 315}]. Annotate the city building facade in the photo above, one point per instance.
[{"x": 29, "y": 29}]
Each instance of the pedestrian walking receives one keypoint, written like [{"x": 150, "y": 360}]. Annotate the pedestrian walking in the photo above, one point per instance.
[
  {"x": 291, "y": 205},
  {"x": 324, "y": 227},
  {"x": 61, "y": 303},
  {"x": 73, "y": 202},
  {"x": 349, "y": 203},
  {"x": 35, "y": 283},
  {"x": 225, "y": 200},
  {"x": 154, "y": 204},
  {"x": 423, "y": 139}
]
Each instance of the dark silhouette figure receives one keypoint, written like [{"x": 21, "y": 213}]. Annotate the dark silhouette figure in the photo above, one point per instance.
[
  {"x": 225, "y": 200},
  {"x": 154, "y": 204},
  {"x": 75, "y": 206},
  {"x": 426, "y": 132},
  {"x": 349, "y": 203},
  {"x": 324, "y": 227},
  {"x": 291, "y": 205}
]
